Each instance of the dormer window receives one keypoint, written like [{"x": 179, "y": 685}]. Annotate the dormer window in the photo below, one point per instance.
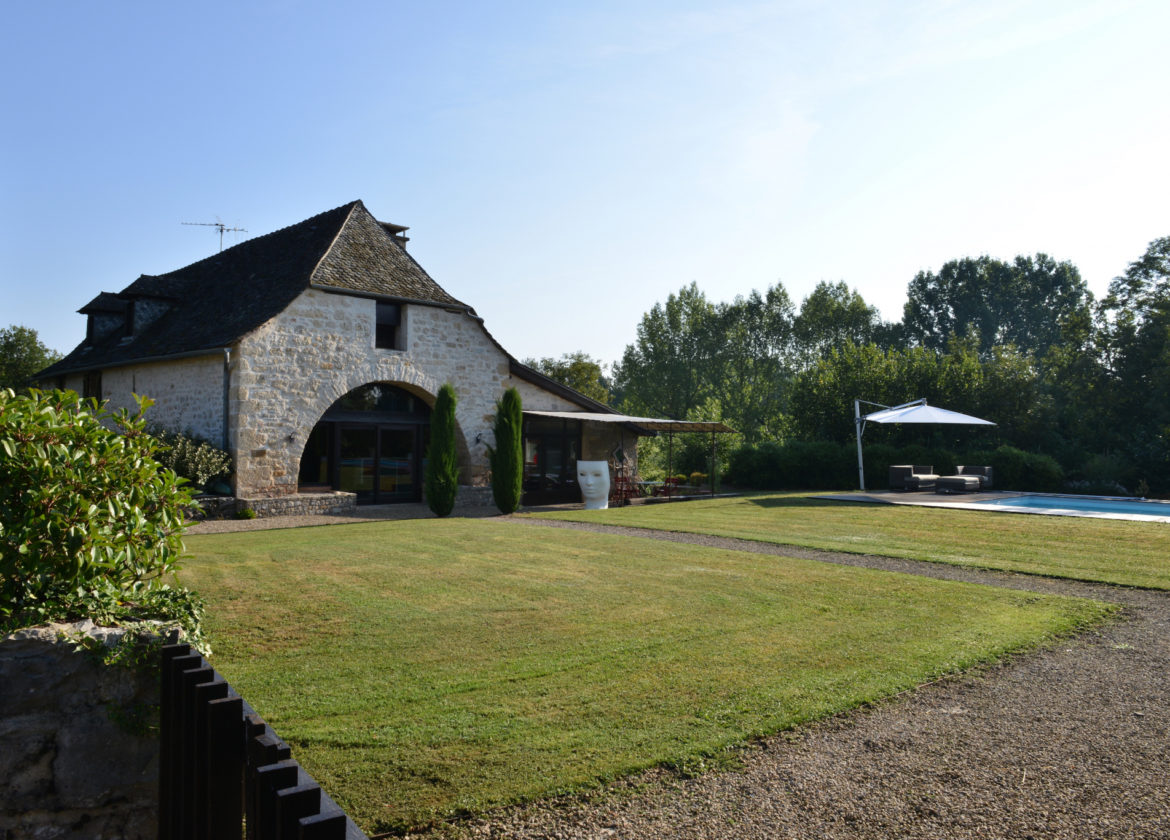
[{"x": 388, "y": 328}]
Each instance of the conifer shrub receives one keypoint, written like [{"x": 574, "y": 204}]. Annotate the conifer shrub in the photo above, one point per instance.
[
  {"x": 507, "y": 456},
  {"x": 442, "y": 477}
]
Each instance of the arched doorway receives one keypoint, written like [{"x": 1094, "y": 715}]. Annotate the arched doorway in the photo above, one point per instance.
[{"x": 370, "y": 442}]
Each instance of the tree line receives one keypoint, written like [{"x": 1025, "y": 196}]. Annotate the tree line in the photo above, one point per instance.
[{"x": 1022, "y": 342}]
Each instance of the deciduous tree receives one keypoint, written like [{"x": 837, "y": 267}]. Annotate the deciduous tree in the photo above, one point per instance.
[
  {"x": 666, "y": 370},
  {"x": 21, "y": 355},
  {"x": 578, "y": 371},
  {"x": 1021, "y": 303}
]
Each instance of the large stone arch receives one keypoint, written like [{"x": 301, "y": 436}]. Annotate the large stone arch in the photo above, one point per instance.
[{"x": 421, "y": 387}]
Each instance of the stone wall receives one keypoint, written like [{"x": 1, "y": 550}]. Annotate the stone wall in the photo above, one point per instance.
[
  {"x": 187, "y": 393},
  {"x": 67, "y": 770},
  {"x": 301, "y": 504},
  {"x": 289, "y": 371}
]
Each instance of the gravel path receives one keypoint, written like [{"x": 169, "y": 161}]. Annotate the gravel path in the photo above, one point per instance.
[{"x": 1066, "y": 742}]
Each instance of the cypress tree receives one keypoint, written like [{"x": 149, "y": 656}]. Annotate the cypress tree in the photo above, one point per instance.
[
  {"x": 442, "y": 479},
  {"x": 507, "y": 458}
]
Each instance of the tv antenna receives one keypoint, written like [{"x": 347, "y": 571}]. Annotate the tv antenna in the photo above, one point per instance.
[{"x": 220, "y": 226}]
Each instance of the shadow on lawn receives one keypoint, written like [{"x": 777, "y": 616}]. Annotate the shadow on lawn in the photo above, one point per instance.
[{"x": 800, "y": 502}]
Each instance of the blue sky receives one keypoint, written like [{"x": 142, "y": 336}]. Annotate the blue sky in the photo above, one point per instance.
[{"x": 564, "y": 166}]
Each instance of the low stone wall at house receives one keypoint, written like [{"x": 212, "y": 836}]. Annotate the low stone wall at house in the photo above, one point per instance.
[
  {"x": 216, "y": 507},
  {"x": 301, "y": 504},
  {"x": 474, "y": 496},
  {"x": 68, "y": 771},
  {"x": 310, "y": 504}
]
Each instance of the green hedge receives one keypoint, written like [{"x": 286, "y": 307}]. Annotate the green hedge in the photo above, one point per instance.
[{"x": 823, "y": 465}]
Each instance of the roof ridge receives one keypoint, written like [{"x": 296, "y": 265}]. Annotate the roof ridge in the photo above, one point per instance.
[
  {"x": 261, "y": 237},
  {"x": 353, "y": 205}
]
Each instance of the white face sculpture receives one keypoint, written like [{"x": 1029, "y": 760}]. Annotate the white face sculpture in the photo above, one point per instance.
[{"x": 593, "y": 478}]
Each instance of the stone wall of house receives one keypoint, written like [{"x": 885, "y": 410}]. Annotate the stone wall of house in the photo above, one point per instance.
[
  {"x": 187, "y": 393},
  {"x": 68, "y": 771},
  {"x": 289, "y": 371}
]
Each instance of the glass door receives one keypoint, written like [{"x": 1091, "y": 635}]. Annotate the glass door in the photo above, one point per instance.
[
  {"x": 356, "y": 462},
  {"x": 550, "y": 461},
  {"x": 397, "y": 465}
]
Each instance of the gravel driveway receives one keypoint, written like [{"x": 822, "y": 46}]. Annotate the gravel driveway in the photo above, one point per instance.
[{"x": 1066, "y": 742}]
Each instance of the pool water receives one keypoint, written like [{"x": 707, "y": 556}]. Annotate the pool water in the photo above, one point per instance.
[{"x": 1081, "y": 504}]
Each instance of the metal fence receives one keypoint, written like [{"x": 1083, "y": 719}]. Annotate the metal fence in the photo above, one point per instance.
[{"x": 223, "y": 772}]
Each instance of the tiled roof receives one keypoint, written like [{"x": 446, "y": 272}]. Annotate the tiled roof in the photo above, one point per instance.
[
  {"x": 360, "y": 261},
  {"x": 104, "y": 302},
  {"x": 216, "y": 301}
]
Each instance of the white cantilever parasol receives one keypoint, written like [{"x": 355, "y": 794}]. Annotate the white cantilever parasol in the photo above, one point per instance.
[{"x": 916, "y": 411}]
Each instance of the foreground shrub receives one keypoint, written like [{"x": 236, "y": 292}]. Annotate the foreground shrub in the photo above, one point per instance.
[
  {"x": 442, "y": 478},
  {"x": 90, "y": 522}
]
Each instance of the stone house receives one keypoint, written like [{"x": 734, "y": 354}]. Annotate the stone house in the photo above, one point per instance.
[{"x": 313, "y": 355}]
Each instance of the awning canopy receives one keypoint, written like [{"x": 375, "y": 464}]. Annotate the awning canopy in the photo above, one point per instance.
[{"x": 650, "y": 423}]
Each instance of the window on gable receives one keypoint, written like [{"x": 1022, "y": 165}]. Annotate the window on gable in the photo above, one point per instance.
[{"x": 388, "y": 330}]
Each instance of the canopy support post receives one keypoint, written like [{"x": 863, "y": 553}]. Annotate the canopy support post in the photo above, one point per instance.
[
  {"x": 859, "y": 424},
  {"x": 669, "y": 462},
  {"x": 712, "y": 465}
]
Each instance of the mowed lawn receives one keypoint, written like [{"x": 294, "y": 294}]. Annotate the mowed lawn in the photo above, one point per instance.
[
  {"x": 425, "y": 669},
  {"x": 1106, "y": 551}
]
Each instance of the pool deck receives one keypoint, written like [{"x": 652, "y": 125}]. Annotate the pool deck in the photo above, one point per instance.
[{"x": 965, "y": 501}]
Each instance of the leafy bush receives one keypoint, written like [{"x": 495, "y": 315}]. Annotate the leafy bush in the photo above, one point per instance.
[
  {"x": 191, "y": 457},
  {"x": 507, "y": 457},
  {"x": 1096, "y": 487},
  {"x": 1015, "y": 469},
  {"x": 795, "y": 465},
  {"x": 90, "y": 522},
  {"x": 697, "y": 479},
  {"x": 442, "y": 478}
]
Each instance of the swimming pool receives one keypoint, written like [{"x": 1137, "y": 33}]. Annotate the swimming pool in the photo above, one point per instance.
[{"x": 1102, "y": 506}]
